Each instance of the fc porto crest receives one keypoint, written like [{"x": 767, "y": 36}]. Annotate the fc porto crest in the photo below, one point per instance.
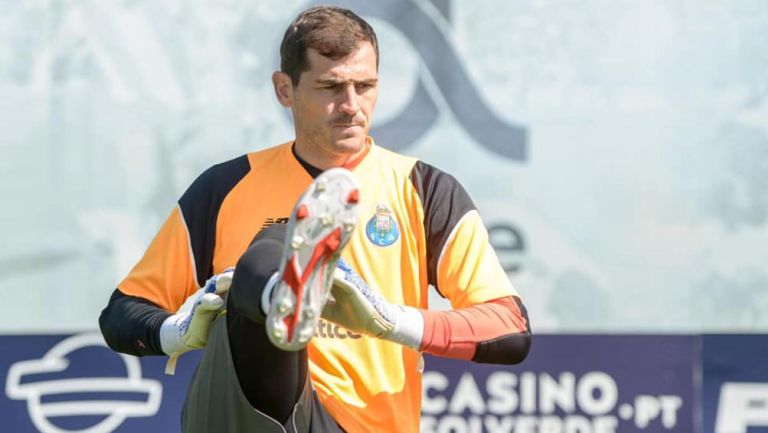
[{"x": 382, "y": 228}]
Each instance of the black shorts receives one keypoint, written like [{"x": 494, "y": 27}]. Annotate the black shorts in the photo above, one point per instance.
[{"x": 216, "y": 403}]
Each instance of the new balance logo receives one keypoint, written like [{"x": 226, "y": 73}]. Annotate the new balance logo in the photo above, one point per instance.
[
  {"x": 332, "y": 330},
  {"x": 271, "y": 221}
]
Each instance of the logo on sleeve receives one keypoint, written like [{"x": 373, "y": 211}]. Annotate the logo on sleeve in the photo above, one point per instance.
[{"x": 382, "y": 228}]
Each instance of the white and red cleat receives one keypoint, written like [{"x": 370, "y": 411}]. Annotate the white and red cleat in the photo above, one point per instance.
[{"x": 321, "y": 224}]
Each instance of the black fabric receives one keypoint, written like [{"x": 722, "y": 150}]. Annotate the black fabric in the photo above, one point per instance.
[
  {"x": 507, "y": 349},
  {"x": 444, "y": 201},
  {"x": 132, "y": 325},
  {"x": 322, "y": 421},
  {"x": 272, "y": 379},
  {"x": 200, "y": 206},
  {"x": 311, "y": 169}
]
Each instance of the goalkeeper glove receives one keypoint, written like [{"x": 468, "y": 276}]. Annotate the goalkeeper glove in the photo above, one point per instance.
[
  {"x": 359, "y": 308},
  {"x": 188, "y": 328}
]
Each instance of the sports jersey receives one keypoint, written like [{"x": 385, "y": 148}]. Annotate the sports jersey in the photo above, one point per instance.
[{"x": 417, "y": 227}]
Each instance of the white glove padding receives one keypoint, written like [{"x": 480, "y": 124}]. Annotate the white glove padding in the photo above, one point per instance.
[
  {"x": 360, "y": 309},
  {"x": 188, "y": 328}
]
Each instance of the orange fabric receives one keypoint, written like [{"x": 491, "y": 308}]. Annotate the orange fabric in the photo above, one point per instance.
[
  {"x": 456, "y": 333},
  {"x": 357, "y": 159},
  {"x": 166, "y": 273},
  {"x": 367, "y": 384},
  {"x": 468, "y": 271}
]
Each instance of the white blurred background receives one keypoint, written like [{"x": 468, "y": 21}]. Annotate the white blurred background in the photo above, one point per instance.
[{"x": 639, "y": 204}]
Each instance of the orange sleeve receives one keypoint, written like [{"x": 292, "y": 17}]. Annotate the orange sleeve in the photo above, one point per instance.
[
  {"x": 488, "y": 323},
  {"x": 468, "y": 270},
  {"x": 165, "y": 275},
  {"x": 458, "y": 333}
]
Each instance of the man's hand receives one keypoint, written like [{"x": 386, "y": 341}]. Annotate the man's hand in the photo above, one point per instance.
[
  {"x": 359, "y": 308},
  {"x": 188, "y": 328}
]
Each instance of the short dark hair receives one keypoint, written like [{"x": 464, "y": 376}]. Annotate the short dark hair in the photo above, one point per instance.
[{"x": 333, "y": 31}]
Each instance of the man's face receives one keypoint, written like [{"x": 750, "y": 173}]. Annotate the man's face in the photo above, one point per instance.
[{"x": 333, "y": 103}]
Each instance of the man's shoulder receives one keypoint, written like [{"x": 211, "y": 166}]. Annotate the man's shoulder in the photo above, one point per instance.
[
  {"x": 400, "y": 162},
  {"x": 219, "y": 179},
  {"x": 223, "y": 174},
  {"x": 269, "y": 156},
  {"x": 422, "y": 174},
  {"x": 439, "y": 188},
  {"x": 269, "y": 152},
  {"x": 226, "y": 174}
]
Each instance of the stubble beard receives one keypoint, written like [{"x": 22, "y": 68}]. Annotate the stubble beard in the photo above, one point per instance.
[{"x": 321, "y": 142}]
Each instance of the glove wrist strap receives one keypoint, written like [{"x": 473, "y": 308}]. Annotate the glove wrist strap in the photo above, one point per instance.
[{"x": 409, "y": 327}]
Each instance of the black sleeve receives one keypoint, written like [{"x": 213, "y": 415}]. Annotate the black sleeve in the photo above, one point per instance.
[
  {"x": 506, "y": 349},
  {"x": 132, "y": 325},
  {"x": 445, "y": 202},
  {"x": 200, "y": 206}
]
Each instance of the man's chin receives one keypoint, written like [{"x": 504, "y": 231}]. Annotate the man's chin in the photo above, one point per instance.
[{"x": 350, "y": 145}]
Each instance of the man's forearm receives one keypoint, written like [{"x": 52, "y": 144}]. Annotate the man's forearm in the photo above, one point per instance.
[
  {"x": 495, "y": 332},
  {"x": 132, "y": 325}
]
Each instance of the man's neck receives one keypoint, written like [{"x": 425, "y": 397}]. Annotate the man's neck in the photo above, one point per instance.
[
  {"x": 323, "y": 161},
  {"x": 311, "y": 169}
]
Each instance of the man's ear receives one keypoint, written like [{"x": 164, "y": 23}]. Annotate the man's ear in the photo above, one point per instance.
[{"x": 283, "y": 88}]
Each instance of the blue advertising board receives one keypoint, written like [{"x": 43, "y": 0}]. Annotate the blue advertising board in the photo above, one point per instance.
[
  {"x": 735, "y": 383},
  {"x": 569, "y": 384},
  {"x": 58, "y": 384}
]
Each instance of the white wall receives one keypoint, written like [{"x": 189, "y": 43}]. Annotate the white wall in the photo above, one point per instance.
[{"x": 640, "y": 205}]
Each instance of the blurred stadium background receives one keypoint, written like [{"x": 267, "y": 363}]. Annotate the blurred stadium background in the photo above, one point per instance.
[{"x": 617, "y": 151}]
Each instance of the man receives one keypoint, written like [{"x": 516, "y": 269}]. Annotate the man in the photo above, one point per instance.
[{"x": 361, "y": 372}]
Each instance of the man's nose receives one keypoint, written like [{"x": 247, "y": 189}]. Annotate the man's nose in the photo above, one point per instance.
[{"x": 349, "y": 103}]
